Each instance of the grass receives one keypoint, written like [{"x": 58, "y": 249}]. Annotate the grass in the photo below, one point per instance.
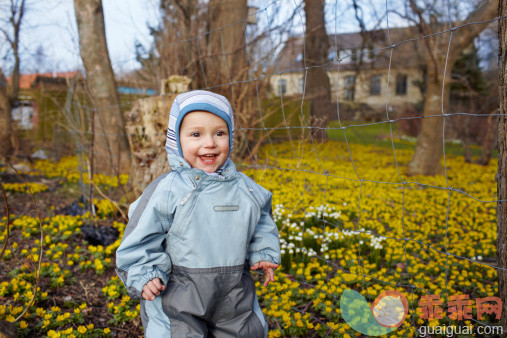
[
  {"x": 379, "y": 135},
  {"x": 357, "y": 132},
  {"x": 292, "y": 114}
]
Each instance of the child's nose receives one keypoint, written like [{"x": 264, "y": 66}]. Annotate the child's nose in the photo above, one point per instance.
[{"x": 210, "y": 141}]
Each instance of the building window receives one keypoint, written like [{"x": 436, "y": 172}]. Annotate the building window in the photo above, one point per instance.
[
  {"x": 282, "y": 87},
  {"x": 301, "y": 85},
  {"x": 375, "y": 84},
  {"x": 350, "y": 84},
  {"x": 23, "y": 112},
  {"x": 401, "y": 84},
  {"x": 299, "y": 58}
]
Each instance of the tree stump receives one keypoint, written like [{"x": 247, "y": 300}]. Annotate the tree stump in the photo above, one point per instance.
[{"x": 146, "y": 127}]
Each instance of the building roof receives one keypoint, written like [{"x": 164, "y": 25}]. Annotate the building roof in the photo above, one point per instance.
[
  {"x": 26, "y": 81},
  {"x": 346, "y": 49}
]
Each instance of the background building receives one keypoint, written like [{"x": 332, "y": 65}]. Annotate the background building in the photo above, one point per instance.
[{"x": 363, "y": 71}]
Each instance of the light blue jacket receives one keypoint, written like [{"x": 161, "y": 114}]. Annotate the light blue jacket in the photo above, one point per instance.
[{"x": 190, "y": 219}]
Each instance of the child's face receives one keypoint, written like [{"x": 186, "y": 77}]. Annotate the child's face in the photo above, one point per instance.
[{"x": 204, "y": 140}]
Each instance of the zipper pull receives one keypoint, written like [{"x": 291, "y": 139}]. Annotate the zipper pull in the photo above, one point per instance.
[{"x": 184, "y": 200}]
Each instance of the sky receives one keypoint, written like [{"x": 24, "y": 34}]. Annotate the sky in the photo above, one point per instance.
[{"x": 50, "y": 25}]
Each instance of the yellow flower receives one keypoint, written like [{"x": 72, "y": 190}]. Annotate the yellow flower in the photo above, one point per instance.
[
  {"x": 23, "y": 324},
  {"x": 81, "y": 329}
]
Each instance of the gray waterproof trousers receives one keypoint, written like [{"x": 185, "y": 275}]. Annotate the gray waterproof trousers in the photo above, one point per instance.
[{"x": 211, "y": 302}]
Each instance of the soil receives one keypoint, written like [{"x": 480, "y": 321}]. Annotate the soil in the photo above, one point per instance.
[{"x": 87, "y": 285}]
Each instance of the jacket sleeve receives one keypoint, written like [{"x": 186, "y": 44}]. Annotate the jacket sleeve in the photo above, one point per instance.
[
  {"x": 141, "y": 256},
  {"x": 265, "y": 243}
]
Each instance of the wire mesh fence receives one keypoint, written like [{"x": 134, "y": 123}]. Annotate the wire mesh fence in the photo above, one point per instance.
[{"x": 353, "y": 220}]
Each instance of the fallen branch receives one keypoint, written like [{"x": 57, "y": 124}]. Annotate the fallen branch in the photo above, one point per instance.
[{"x": 116, "y": 204}]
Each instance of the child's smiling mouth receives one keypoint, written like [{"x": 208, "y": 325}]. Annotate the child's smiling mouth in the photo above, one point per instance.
[{"x": 208, "y": 159}]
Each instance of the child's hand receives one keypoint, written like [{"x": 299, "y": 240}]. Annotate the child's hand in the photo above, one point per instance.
[
  {"x": 152, "y": 289},
  {"x": 267, "y": 267}
]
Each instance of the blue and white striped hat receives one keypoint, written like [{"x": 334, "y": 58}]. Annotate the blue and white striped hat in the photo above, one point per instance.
[{"x": 192, "y": 101}]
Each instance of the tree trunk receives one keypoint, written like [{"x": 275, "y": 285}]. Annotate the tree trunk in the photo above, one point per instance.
[
  {"x": 318, "y": 89},
  {"x": 8, "y": 95},
  {"x": 227, "y": 41},
  {"x": 111, "y": 150},
  {"x": 426, "y": 159},
  {"x": 488, "y": 143},
  {"x": 6, "y": 144},
  {"x": 501, "y": 177}
]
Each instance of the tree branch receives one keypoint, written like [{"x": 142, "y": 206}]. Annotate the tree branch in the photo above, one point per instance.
[{"x": 486, "y": 11}]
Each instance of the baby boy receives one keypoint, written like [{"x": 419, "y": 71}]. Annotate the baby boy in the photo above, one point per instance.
[{"x": 196, "y": 231}]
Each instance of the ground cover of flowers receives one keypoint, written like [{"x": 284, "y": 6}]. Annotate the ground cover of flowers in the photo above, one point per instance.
[{"x": 347, "y": 219}]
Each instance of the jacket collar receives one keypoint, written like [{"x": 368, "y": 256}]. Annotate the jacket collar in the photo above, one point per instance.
[{"x": 178, "y": 163}]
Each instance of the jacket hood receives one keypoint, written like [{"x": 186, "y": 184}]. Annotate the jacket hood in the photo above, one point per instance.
[{"x": 197, "y": 100}]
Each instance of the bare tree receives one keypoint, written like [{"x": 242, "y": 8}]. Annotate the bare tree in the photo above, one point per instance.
[
  {"x": 110, "y": 147},
  {"x": 201, "y": 41},
  {"x": 6, "y": 144},
  {"x": 426, "y": 159},
  {"x": 226, "y": 47},
  {"x": 177, "y": 43},
  {"x": 318, "y": 89},
  {"x": 9, "y": 94},
  {"x": 501, "y": 177}
]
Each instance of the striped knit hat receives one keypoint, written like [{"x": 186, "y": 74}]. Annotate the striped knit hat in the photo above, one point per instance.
[{"x": 192, "y": 101}]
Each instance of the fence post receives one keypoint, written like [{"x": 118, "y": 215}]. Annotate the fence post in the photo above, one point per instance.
[{"x": 502, "y": 162}]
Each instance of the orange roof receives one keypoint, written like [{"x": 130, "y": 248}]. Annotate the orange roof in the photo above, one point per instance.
[{"x": 26, "y": 80}]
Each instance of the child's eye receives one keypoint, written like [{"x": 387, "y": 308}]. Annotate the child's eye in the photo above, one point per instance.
[
  {"x": 220, "y": 133},
  {"x": 196, "y": 134}
]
